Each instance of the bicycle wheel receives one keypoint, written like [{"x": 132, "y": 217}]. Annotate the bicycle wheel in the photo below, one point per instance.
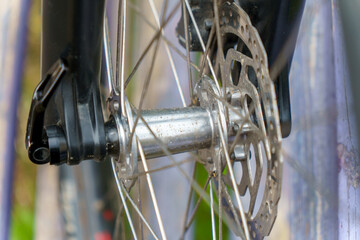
[
  {"x": 227, "y": 123},
  {"x": 233, "y": 118}
]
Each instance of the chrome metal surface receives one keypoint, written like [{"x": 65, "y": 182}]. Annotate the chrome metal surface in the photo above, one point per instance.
[{"x": 181, "y": 129}]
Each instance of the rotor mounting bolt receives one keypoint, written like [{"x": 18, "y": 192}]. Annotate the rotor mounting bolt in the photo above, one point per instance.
[
  {"x": 235, "y": 127},
  {"x": 116, "y": 105},
  {"x": 228, "y": 96},
  {"x": 208, "y": 23},
  {"x": 239, "y": 153}
]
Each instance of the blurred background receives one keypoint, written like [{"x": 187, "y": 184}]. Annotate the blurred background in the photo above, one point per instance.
[
  {"x": 320, "y": 194},
  {"x": 19, "y": 73}
]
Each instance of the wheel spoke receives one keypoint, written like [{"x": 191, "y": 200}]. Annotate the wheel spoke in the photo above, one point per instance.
[
  {"x": 152, "y": 192},
  {"x": 139, "y": 212},
  {"x": 147, "y": 82},
  {"x": 118, "y": 222},
  {"x": 176, "y": 76},
  {"x": 232, "y": 207},
  {"x": 163, "y": 37},
  {"x": 212, "y": 211},
  {"x": 108, "y": 59},
  {"x": 236, "y": 190},
  {"x": 161, "y": 168},
  {"x": 120, "y": 56},
  {"x": 202, "y": 44},
  {"x": 123, "y": 199},
  {"x": 220, "y": 46},
  {"x": 208, "y": 44},
  {"x": 188, "y": 202},
  {"x": 153, "y": 40},
  {"x": 196, "y": 206},
  {"x": 191, "y": 86},
  {"x": 143, "y": 94},
  {"x": 220, "y": 198}
]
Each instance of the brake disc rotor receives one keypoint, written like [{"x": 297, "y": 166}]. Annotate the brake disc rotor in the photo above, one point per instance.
[{"x": 249, "y": 90}]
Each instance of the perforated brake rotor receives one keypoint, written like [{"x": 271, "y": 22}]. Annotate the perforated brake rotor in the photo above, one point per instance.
[{"x": 243, "y": 72}]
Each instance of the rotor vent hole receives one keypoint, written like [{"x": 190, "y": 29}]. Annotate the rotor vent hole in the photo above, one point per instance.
[
  {"x": 250, "y": 109},
  {"x": 262, "y": 185},
  {"x": 233, "y": 41},
  {"x": 235, "y": 72},
  {"x": 245, "y": 201},
  {"x": 252, "y": 76},
  {"x": 238, "y": 171},
  {"x": 252, "y": 164}
]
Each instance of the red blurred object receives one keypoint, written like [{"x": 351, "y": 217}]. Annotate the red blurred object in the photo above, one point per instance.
[
  {"x": 108, "y": 215},
  {"x": 102, "y": 236}
]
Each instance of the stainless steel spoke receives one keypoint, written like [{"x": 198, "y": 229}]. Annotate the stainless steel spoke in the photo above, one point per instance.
[
  {"x": 152, "y": 192},
  {"x": 213, "y": 227},
  {"x": 208, "y": 44},
  {"x": 143, "y": 94},
  {"x": 163, "y": 37},
  {"x": 188, "y": 51},
  {"x": 152, "y": 41},
  {"x": 123, "y": 199},
  {"x": 232, "y": 207},
  {"x": 162, "y": 168},
  {"x": 188, "y": 203},
  {"x": 140, "y": 208},
  {"x": 139, "y": 212},
  {"x": 118, "y": 222},
  {"x": 219, "y": 45},
  {"x": 220, "y": 198},
  {"x": 121, "y": 50},
  {"x": 202, "y": 44},
  {"x": 236, "y": 190},
  {"x": 108, "y": 60},
  {"x": 196, "y": 206},
  {"x": 139, "y": 11},
  {"x": 172, "y": 64}
]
